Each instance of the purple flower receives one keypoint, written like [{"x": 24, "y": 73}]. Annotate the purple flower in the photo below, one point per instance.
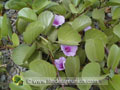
[
  {"x": 60, "y": 63},
  {"x": 59, "y": 20},
  {"x": 87, "y": 28},
  {"x": 69, "y": 50}
]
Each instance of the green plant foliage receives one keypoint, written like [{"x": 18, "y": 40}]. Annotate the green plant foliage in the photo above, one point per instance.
[
  {"x": 32, "y": 31},
  {"x": 43, "y": 68},
  {"x": 114, "y": 57},
  {"x": 74, "y": 63},
  {"x": 116, "y": 30},
  {"x": 58, "y": 9},
  {"x": 81, "y": 22},
  {"x": 71, "y": 37},
  {"x": 46, "y": 18},
  {"x": 15, "y": 40},
  {"x": 27, "y": 14},
  {"x": 39, "y": 5},
  {"x": 91, "y": 67},
  {"x": 115, "y": 13},
  {"x": 73, "y": 9},
  {"x": 15, "y": 4},
  {"x": 96, "y": 34},
  {"x": 22, "y": 53},
  {"x": 62, "y": 39},
  {"x": 94, "y": 49},
  {"x": 115, "y": 82},
  {"x": 13, "y": 86},
  {"x": 6, "y": 27},
  {"x": 21, "y": 25}
]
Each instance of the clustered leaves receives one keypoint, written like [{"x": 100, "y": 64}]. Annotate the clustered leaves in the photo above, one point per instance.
[{"x": 71, "y": 38}]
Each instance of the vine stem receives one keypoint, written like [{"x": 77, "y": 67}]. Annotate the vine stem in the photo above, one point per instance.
[{"x": 52, "y": 58}]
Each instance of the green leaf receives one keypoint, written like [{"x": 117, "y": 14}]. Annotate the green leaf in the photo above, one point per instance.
[
  {"x": 15, "y": 40},
  {"x": 36, "y": 55},
  {"x": 27, "y": 14},
  {"x": 106, "y": 87},
  {"x": 115, "y": 82},
  {"x": 0, "y": 26},
  {"x": 6, "y": 27},
  {"x": 66, "y": 4},
  {"x": 21, "y": 25},
  {"x": 82, "y": 55},
  {"x": 43, "y": 68},
  {"x": 112, "y": 38},
  {"x": 68, "y": 36},
  {"x": 75, "y": 2},
  {"x": 81, "y": 22},
  {"x": 91, "y": 70},
  {"x": 73, "y": 9},
  {"x": 22, "y": 53},
  {"x": 94, "y": 49},
  {"x": 113, "y": 57},
  {"x": 96, "y": 34},
  {"x": 33, "y": 30},
  {"x": 91, "y": 1},
  {"x": 58, "y": 9},
  {"x": 13, "y": 86},
  {"x": 53, "y": 35},
  {"x": 115, "y": 13},
  {"x": 39, "y": 5},
  {"x": 84, "y": 87},
  {"x": 116, "y": 30},
  {"x": 115, "y": 2},
  {"x": 46, "y": 18},
  {"x": 15, "y": 4},
  {"x": 98, "y": 14},
  {"x": 74, "y": 63},
  {"x": 40, "y": 69}
]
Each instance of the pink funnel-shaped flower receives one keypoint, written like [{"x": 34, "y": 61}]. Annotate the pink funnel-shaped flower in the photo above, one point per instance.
[
  {"x": 60, "y": 63},
  {"x": 87, "y": 28},
  {"x": 69, "y": 50},
  {"x": 59, "y": 20}
]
